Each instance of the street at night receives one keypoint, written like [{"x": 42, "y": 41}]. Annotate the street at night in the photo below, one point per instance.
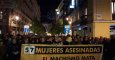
[{"x": 57, "y": 29}]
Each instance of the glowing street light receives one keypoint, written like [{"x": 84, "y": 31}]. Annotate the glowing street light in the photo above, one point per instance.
[
  {"x": 70, "y": 22},
  {"x": 67, "y": 19},
  {"x": 48, "y": 34},
  {"x": 30, "y": 24},
  {"x": 1, "y": 12},
  {"x": 17, "y": 17},
  {"x": 58, "y": 12}
]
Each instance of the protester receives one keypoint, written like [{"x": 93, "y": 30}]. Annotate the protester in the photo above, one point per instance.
[
  {"x": 14, "y": 50},
  {"x": 2, "y": 51},
  {"x": 42, "y": 40},
  {"x": 49, "y": 40},
  {"x": 85, "y": 40},
  {"x": 26, "y": 41},
  {"x": 68, "y": 40},
  {"x": 58, "y": 41},
  {"x": 75, "y": 40}
]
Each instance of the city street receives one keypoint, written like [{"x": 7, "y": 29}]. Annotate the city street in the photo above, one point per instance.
[{"x": 57, "y": 29}]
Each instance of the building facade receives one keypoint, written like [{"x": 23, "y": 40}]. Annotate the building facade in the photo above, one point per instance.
[
  {"x": 14, "y": 14},
  {"x": 93, "y": 18}
]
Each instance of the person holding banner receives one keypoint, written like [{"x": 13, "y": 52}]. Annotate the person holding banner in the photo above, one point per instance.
[
  {"x": 58, "y": 41},
  {"x": 13, "y": 51},
  {"x": 50, "y": 40},
  {"x": 85, "y": 40},
  {"x": 42, "y": 40},
  {"x": 68, "y": 40}
]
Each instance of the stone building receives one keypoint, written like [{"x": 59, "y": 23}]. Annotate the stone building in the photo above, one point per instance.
[{"x": 14, "y": 14}]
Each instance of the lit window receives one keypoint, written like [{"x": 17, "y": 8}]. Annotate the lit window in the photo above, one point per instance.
[
  {"x": 1, "y": 15},
  {"x": 76, "y": 3},
  {"x": 113, "y": 7},
  {"x": 72, "y": 4},
  {"x": 86, "y": 11},
  {"x": 113, "y": 10}
]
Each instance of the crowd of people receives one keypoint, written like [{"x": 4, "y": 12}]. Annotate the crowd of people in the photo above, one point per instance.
[{"x": 10, "y": 46}]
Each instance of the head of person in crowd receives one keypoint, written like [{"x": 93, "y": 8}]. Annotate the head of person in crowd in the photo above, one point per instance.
[
  {"x": 32, "y": 41},
  {"x": 92, "y": 38},
  {"x": 49, "y": 40},
  {"x": 75, "y": 39},
  {"x": 26, "y": 40},
  {"x": 89, "y": 38},
  {"x": 42, "y": 40},
  {"x": 9, "y": 40},
  {"x": 96, "y": 39},
  {"x": 1, "y": 42},
  {"x": 100, "y": 40},
  {"x": 53, "y": 38},
  {"x": 19, "y": 36},
  {"x": 77, "y": 35},
  {"x": 107, "y": 40},
  {"x": 20, "y": 39},
  {"x": 37, "y": 41},
  {"x": 81, "y": 39},
  {"x": 58, "y": 40},
  {"x": 14, "y": 41},
  {"x": 69, "y": 38},
  {"x": 93, "y": 41},
  {"x": 63, "y": 38},
  {"x": 85, "y": 40}
]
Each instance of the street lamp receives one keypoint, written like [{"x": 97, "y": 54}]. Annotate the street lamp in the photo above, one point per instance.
[
  {"x": 69, "y": 22},
  {"x": 58, "y": 12},
  {"x": 17, "y": 18},
  {"x": 67, "y": 18}
]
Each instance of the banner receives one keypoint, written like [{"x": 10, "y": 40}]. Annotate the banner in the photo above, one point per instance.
[{"x": 61, "y": 52}]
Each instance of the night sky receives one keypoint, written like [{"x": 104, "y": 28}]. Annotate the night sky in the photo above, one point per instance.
[{"x": 47, "y": 6}]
